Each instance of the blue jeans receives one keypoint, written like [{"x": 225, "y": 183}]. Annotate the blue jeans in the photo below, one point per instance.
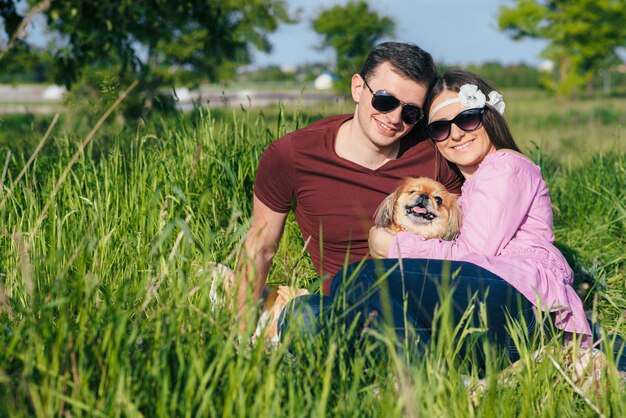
[{"x": 405, "y": 296}]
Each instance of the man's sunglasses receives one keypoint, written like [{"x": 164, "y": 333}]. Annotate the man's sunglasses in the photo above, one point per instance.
[
  {"x": 386, "y": 102},
  {"x": 468, "y": 120}
]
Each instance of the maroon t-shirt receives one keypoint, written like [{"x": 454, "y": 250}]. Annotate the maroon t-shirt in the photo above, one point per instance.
[{"x": 335, "y": 198}]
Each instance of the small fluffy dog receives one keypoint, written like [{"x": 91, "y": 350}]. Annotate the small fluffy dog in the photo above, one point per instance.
[{"x": 422, "y": 206}]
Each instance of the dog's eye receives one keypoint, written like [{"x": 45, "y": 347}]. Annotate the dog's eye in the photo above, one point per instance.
[{"x": 438, "y": 200}]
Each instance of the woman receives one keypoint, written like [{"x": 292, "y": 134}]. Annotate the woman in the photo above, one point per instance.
[
  {"x": 504, "y": 254},
  {"x": 507, "y": 231}
]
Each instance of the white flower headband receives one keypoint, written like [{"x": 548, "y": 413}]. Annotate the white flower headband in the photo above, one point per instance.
[{"x": 471, "y": 97}]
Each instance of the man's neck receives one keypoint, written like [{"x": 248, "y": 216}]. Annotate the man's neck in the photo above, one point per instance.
[{"x": 352, "y": 144}]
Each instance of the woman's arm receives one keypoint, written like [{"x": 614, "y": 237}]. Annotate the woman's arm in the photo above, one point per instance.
[
  {"x": 379, "y": 241},
  {"x": 493, "y": 210}
]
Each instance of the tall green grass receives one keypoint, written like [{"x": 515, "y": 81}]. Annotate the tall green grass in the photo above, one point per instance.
[
  {"x": 568, "y": 130},
  {"x": 105, "y": 308}
]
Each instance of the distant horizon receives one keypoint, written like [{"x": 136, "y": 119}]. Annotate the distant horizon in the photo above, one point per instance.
[{"x": 289, "y": 68}]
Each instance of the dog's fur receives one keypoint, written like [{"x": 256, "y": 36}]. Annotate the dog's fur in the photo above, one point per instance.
[{"x": 422, "y": 206}]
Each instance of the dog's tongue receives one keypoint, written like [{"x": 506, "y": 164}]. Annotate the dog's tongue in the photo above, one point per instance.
[{"x": 418, "y": 210}]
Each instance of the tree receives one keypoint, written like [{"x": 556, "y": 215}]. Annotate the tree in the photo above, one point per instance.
[
  {"x": 155, "y": 41},
  {"x": 583, "y": 35},
  {"x": 352, "y": 31},
  {"x": 24, "y": 65}
]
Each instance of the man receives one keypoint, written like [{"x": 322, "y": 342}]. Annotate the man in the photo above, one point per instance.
[{"x": 339, "y": 169}]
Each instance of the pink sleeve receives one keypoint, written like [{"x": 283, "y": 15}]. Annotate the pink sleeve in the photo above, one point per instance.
[{"x": 493, "y": 210}]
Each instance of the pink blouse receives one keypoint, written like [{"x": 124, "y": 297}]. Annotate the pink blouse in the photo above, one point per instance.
[{"x": 507, "y": 229}]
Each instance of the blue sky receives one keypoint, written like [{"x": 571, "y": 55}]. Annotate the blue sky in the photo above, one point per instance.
[{"x": 453, "y": 31}]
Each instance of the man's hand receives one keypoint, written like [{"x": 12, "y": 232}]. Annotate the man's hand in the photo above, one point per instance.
[{"x": 380, "y": 241}]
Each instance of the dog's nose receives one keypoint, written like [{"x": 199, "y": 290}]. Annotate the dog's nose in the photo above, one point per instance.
[{"x": 422, "y": 200}]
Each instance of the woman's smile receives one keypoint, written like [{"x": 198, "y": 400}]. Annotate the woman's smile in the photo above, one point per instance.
[{"x": 463, "y": 146}]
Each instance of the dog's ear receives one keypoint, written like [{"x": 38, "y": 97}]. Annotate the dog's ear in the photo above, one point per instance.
[
  {"x": 455, "y": 219},
  {"x": 383, "y": 216}
]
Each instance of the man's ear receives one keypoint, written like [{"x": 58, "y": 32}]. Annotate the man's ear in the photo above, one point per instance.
[{"x": 357, "y": 87}]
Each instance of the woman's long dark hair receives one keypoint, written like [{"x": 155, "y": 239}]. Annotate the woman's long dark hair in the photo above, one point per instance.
[{"x": 494, "y": 123}]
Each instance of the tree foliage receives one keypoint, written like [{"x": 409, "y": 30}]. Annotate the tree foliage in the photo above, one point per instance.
[
  {"x": 155, "y": 41},
  {"x": 24, "y": 65},
  {"x": 583, "y": 35},
  {"x": 352, "y": 31},
  {"x": 505, "y": 76}
]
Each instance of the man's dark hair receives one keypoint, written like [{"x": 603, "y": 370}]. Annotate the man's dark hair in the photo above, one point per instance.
[{"x": 408, "y": 60}]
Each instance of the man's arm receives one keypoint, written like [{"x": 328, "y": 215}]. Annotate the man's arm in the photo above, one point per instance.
[{"x": 261, "y": 243}]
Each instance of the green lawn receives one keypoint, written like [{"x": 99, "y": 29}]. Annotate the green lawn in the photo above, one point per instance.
[{"x": 104, "y": 296}]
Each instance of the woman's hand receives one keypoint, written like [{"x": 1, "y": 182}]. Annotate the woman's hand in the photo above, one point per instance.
[{"x": 380, "y": 241}]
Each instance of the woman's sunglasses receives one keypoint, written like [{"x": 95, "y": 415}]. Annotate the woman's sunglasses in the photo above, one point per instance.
[
  {"x": 468, "y": 120},
  {"x": 386, "y": 102}
]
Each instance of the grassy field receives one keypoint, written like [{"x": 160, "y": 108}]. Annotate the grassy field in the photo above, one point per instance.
[{"x": 104, "y": 295}]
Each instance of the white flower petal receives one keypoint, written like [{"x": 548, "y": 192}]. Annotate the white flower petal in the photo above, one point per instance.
[
  {"x": 471, "y": 97},
  {"x": 497, "y": 101}
]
